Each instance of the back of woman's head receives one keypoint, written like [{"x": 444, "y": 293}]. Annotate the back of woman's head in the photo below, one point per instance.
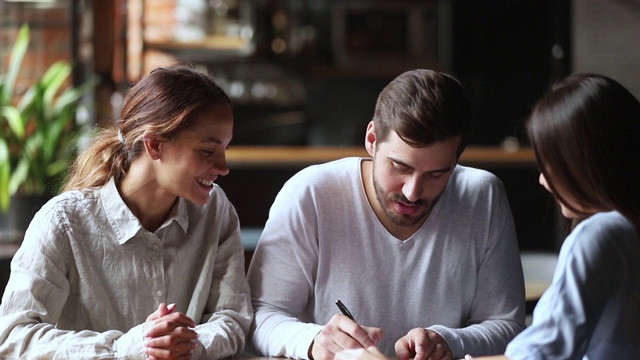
[
  {"x": 163, "y": 103},
  {"x": 586, "y": 135}
]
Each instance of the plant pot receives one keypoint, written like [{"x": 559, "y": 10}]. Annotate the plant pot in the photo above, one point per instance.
[{"x": 22, "y": 209}]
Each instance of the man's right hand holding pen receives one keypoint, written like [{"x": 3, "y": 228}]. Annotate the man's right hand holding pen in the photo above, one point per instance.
[{"x": 342, "y": 332}]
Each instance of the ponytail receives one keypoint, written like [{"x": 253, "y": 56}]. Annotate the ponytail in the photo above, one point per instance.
[{"x": 104, "y": 159}]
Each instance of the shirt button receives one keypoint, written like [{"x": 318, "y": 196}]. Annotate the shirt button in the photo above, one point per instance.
[
  {"x": 158, "y": 292},
  {"x": 156, "y": 246}
]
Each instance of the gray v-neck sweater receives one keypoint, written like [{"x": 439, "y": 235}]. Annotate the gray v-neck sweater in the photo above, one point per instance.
[{"x": 459, "y": 274}]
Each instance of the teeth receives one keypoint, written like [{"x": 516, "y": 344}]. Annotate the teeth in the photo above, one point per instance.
[{"x": 204, "y": 182}]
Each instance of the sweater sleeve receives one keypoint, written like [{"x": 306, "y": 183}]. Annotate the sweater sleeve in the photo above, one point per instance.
[
  {"x": 288, "y": 253},
  {"x": 497, "y": 311}
]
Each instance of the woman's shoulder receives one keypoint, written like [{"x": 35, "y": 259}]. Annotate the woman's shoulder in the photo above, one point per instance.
[
  {"x": 72, "y": 200},
  {"x": 605, "y": 233},
  {"x": 605, "y": 223}
]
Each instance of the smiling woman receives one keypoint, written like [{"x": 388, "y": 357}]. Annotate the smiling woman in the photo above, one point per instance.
[
  {"x": 141, "y": 236},
  {"x": 189, "y": 163}
]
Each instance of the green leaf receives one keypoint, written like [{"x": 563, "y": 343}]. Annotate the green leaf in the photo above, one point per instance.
[
  {"x": 19, "y": 175},
  {"x": 52, "y": 137},
  {"x": 5, "y": 173},
  {"x": 71, "y": 96},
  {"x": 53, "y": 79},
  {"x": 17, "y": 54},
  {"x": 40, "y": 129},
  {"x": 58, "y": 167},
  {"x": 27, "y": 99},
  {"x": 14, "y": 119}
]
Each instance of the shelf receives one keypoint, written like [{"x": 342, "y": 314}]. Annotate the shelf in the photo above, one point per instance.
[
  {"x": 211, "y": 47},
  {"x": 297, "y": 156}
]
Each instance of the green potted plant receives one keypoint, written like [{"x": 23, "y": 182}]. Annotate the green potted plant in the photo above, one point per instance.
[{"x": 39, "y": 133}]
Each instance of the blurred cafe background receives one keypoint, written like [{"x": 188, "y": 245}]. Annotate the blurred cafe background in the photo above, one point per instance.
[{"x": 305, "y": 74}]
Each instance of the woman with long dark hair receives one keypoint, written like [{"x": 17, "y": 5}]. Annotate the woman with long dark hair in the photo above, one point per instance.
[{"x": 586, "y": 135}]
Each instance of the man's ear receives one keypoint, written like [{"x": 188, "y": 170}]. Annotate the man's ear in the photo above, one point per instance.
[
  {"x": 152, "y": 144},
  {"x": 370, "y": 138}
]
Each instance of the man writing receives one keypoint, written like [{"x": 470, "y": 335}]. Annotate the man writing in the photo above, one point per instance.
[{"x": 420, "y": 249}]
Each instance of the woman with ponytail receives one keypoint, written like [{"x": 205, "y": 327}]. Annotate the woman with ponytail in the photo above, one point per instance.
[{"x": 140, "y": 256}]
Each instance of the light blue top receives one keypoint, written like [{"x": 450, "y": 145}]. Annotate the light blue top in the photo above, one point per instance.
[{"x": 592, "y": 308}]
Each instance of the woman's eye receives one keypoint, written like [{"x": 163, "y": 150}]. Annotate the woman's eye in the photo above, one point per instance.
[{"x": 207, "y": 152}]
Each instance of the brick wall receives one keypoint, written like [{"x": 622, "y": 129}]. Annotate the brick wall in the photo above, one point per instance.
[
  {"x": 148, "y": 22},
  {"x": 50, "y": 38}
]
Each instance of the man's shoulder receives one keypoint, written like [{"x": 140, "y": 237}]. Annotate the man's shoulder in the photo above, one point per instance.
[
  {"x": 328, "y": 171},
  {"x": 473, "y": 176}
]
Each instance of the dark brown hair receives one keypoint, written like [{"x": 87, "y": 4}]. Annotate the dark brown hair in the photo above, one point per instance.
[
  {"x": 586, "y": 135},
  {"x": 423, "y": 107},
  {"x": 164, "y": 102}
]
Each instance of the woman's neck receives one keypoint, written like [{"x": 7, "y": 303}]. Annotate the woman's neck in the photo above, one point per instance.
[{"x": 142, "y": 194}]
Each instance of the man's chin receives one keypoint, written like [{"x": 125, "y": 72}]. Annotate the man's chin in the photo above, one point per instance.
[{"x": 405, "y": 220}]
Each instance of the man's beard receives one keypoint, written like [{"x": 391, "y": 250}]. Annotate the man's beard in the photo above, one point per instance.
[{"x": 396, "y": 218}]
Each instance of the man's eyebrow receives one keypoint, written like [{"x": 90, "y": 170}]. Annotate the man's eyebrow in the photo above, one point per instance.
[{"x": 442, "y": 170}]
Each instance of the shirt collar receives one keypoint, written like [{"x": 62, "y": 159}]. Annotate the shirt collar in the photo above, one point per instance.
[{"x": 124, "y": 223}]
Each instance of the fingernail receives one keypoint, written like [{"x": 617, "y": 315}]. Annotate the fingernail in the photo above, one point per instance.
[{"x": 171, "y": 306}]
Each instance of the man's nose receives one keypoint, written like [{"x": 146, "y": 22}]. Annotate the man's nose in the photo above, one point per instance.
[{"x": 412, "y": 188}]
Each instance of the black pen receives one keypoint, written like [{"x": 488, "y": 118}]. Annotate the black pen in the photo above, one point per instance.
[{"x": 344, "y": 310}]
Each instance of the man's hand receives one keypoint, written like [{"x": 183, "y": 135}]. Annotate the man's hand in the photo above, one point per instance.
[
  {"x": 423, "y": 344},
  {"x": 169, "y": 335},
  {"x": 342, "y": 333}
]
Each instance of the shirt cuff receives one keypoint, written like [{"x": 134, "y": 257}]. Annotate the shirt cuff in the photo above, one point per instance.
[
  {"x": 131, "y": 344},
  {"x": 302, "y": 349}
]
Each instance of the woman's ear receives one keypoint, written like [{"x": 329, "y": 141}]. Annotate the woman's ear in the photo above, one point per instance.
[
  {"x": 370, "y": 138},
  {"x": 152, "y": 145}
]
